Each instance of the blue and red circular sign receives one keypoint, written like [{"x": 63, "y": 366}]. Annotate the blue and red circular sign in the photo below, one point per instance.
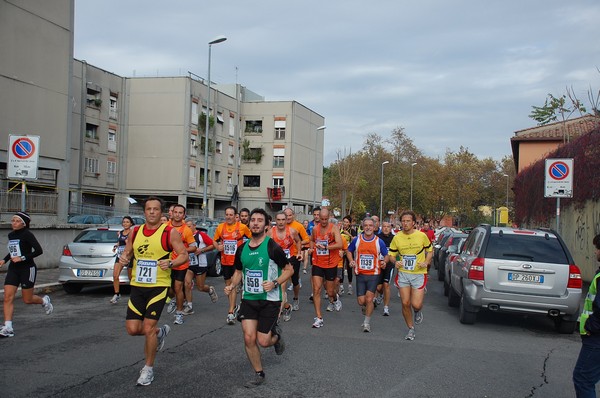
[
  {"x": 559, "y": 170},
  {"x": 23, "y": 148}
]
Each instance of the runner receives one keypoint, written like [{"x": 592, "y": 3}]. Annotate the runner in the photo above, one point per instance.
[
  {"x": 245, "y": 216},
  {"x": 289, "y": 240},
  {"x": 179, "y": 273},
  {"x": 198, "y": 268},
  {"x": 430, "y": 234},
  {"x": 228, "y": 237},
  {"x": 341, "y": 266},
  {"x": 383, "y": 287},
  {"x": 23, "y": 247},
  {"x": 122, "y": 235},
  {"x": 265, "y": 268},
  {"x": 413, "y": 253},
  {"x": 326, "y": 242},
  {"x": 364, "y": 256},
  {"x": 150, "y": 247},
  {"x": 316, "y": 211},
  {"x": 347, "y": 234},
  {"x": 305, "y": 249}
]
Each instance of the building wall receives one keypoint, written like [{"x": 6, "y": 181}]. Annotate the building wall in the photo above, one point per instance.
[{"x": 531, "y": 152}]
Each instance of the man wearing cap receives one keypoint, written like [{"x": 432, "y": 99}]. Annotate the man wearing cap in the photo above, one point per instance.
[{"x": 23, "y": 247}]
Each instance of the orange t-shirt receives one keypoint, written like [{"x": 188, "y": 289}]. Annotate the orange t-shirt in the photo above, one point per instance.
[
  {"x": 187, "y": 237},
  {"x": 288, "y": 244},
  {"x": 232, "y": 237},
  {"x": 325, "y": 258}
]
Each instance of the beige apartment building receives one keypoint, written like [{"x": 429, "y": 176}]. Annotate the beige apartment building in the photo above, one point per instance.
[{"x": 107, "y": 140}]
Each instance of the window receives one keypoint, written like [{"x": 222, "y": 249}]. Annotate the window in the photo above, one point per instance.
[
  {"x": 278, "y": 157},
  {"x": 220, "y": 118},
  {"x": 91, "y": 131},
  {"x": 111, "y": 167},
  {"x": 277, "y": 181},
  {"x": 253, "y": 127},
  {"x": 217, "y": 176},
  {"x": 230, "y": 154},
  {"x": 195, "y": 113},
  {"x": 112, "y": 140},
  {"x": 219, "y": 148},
  {"x": 193, "y": 146},
  {"x": 231, "y": 125},
  {"x": 252, "y": 181},
  {"x": 280, "y": 129},
  {"x": 112, "y": 110},
  {"x": 192, "y": 178},
  {"x": 91, "y": 165},
  {"x": 211, "y": 147}
]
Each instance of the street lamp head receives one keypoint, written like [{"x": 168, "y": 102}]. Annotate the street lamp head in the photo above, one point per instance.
[
  {"x": 321, "y": 128},
  {"x": 413, "y": 164},
  {"x": 218, "y": 39},
  {"x": 386, "y": 162},
  {"x": 505, "y": 175}
]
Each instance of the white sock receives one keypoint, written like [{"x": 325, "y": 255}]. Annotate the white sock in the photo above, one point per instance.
[
  {"x": 8, "y": 324},
  {"x": 367, "y": 320},
  {"x": 147, "y": 367}
]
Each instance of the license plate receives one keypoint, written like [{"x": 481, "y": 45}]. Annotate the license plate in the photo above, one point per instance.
[
  {"x": 94, "y": 273},
  {"x": 525, "y": 278}
]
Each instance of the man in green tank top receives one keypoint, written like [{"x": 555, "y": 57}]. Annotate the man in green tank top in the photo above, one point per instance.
[{"x": 264, "y": 267}]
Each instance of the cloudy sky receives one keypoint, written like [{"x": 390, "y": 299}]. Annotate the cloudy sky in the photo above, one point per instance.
[{"x": 452, "y": 73}]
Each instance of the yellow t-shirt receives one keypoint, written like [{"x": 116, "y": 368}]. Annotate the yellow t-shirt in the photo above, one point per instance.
[
  {"x": 147, "y": 250},
  {"x": 410, "y": 249}
]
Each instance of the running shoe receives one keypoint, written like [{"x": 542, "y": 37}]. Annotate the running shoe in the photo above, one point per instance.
[
  {"x": 418, "y": 317},
  {"x": 230, "y": 319},
  {"x": 213, "y": 294},
  {"x": 48, "y": 307},
  {"x": 188, "y": 310},
  {"x": 341, "y": 289},
  {"x": 363, "y": 309},
  {"x": 318, "y": 323},
  {"x": 386, "y": 311},
  {"x": 164, "y": 331},
  {"x": 290, "y": 287},
  {"x": 295, "y": 304},
  {"x": 330, "y": 307},
  {"x": 6, "y": 332},
  {"x": 410, "y": 335},
  {"x": 366, "y": 327},
  {"x": 325, "y": 295},
  {"x": 178, "y": 318},
  {"x": 115, "y": 299},
  {"x": 280, "y": 344},
  {"x": 286, "y": 314},
  {"x": 304, "y": 271},
  {"x": 310, "y": 298},
  {"x": 257, "y": 381},
  {"x": 146, "y": 377},
  {"x": 338, "y": 304},
  {"x": 236, "y": 312},
  {"x": 349, "y": 290},
  {"x": 172, "y": 306},
  {"x": 379, "y": 299},
  {"x": 300, "y": 282}
]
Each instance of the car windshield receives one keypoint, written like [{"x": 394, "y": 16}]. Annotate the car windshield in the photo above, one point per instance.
[
  {"x": 523, "y": 247},
  {"x": 97, "y": 236}
]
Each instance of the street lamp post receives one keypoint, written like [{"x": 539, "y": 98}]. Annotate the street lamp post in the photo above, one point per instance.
[
  {"x": 218, "y": 39},
  {"x": 412, "y": 166},
  {"x": 381, "y": 194},
  {"x": 506, "y": 175},
  {"x": 322, "y": 128}
]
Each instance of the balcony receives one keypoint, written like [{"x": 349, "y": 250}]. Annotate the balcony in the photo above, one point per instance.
[{"x": 275, "y": 193}]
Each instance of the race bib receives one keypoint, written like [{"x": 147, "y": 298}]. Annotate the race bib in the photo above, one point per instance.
[
  {"x": 193, "y": 259},
  {"x": 366, "y": 262},
  {"x": 287, "y": 252},
  {"x": 229, "y": 247},
  {"x": 409, "y": 262},
  {"x": 253, "y": 282},
  {"x": 120, "y": 250},
  {"x": 14, "y": 249},
  {"x": 322, "y": 252},
  {"x": 146, "y": 271}
]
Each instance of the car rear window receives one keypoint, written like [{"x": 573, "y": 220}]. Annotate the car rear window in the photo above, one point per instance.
[
  {"x": 97, "y": 236},
  {"x": 528, "y": 248}
]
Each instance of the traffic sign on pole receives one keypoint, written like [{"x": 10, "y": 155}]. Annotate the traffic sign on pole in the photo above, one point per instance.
[
  {"x": 559, "y": 178},
  {"x": 23, "y": 156}
]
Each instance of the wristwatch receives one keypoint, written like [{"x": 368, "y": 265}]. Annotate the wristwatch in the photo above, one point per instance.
[
  {"x": 23, "y": 258},
  {"x": 170, "y": 264},
  {"x": 275, "y": 283}
]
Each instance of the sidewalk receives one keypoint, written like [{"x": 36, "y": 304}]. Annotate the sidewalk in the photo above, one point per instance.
[{"x": 46, "y": 281}]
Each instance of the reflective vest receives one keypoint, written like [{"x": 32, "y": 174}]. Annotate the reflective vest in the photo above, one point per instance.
[{"x": 588, "y": 305}]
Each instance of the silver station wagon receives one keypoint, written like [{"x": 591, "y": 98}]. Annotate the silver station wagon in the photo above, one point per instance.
[{"x": 520, "y": 270}]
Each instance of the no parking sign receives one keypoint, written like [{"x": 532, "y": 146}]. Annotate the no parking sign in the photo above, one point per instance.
[
  {"x": 23, "y": 154},
  {"x": 559, "y": 178}
]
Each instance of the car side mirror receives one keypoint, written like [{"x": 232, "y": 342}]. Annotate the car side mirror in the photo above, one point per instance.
[{"x": 452, "y": 249}]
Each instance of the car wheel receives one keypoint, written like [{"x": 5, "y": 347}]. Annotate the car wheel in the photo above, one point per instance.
[
  {"x": 72, "y": 288},
  {"x": 215, "y": 270},
  {"x": 453, "y": 298},
  {"x": 565, "y": 327},
  {"x": 465, "y": 316},
  {"x": 441, "y": 270}
]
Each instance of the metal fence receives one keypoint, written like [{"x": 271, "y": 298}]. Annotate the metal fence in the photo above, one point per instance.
[{"x": 35, "y": 202}]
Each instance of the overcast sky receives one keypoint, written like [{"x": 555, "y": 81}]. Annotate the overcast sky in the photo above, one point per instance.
[{"x": 452, "y": 73}]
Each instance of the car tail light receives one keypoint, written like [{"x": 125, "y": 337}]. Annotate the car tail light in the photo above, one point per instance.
[
  {"x": 66, "y": 251},
  {"x": 452, "y": 257},
  {"x": 575, "y": 281},
  {"x": 476, "y": 269}
]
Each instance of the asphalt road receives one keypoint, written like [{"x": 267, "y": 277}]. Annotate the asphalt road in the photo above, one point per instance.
[{"x": 82, "y": 350}]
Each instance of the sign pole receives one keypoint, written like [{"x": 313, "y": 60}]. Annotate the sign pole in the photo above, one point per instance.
[
  {"x": 23, "y": 207},
  {"x": 558, "y": 215}
]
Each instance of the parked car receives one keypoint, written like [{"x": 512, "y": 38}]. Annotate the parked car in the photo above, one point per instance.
[
  {"x": 89, "y": 259},
  {"x": 87, "y": 219},
  {"x": 439, "y": 243},
  {"x": 454, "y": 251},
  {"x": 452, "y": 238},
  {"x": 116, "y": 220},
  {"x": 528, "y": 271}
]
